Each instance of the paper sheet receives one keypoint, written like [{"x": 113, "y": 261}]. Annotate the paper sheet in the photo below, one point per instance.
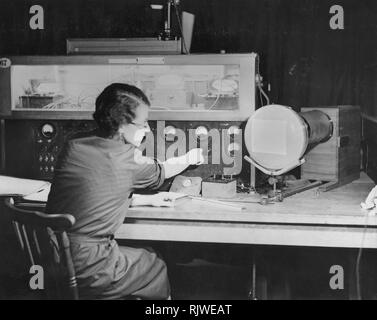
[
  {"x": 41, "y": 195},
  {"x": 23, "y": 187},
  {"x": 162, "y": 199}
]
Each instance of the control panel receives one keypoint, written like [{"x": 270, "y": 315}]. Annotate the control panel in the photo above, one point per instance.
[
  {"x": 49, "y": 140},
  {"x": 33, "y": 146},
  {"x": 221, "y": 142},
  {"x": 47, "y": 154}
]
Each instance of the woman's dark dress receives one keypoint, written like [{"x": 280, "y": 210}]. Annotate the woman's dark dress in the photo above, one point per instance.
[{"x": 93, "y": 181}]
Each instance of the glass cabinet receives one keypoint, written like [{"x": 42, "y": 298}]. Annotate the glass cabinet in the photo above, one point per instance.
[{"x": 186, "y": 87}]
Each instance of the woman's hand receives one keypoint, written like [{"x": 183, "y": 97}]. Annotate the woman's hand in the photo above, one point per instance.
[
  {"x": 161, "y": 200},
  {"x": 155, "y": 200},
  {"x": 176, "y": 165}
]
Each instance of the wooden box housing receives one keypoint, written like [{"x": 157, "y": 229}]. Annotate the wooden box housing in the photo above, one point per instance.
[{"x": 338, "y": 159}]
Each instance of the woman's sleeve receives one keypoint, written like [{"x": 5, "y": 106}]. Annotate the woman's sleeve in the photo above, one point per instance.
[{"x": 149, "y": 174}]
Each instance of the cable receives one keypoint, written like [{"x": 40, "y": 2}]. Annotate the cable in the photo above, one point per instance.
[
  {"x": 217, "y": 100},
  {"x": 358, "y": 259},
  {"x": 258, "y": 82},
  {"x": 180, "y": 27},
  {"x": 367, "y": 162},
  {"x": 260, "y": 98},
  {"x": 264, "y": 94},
  {"x": 219, "y": 90}
]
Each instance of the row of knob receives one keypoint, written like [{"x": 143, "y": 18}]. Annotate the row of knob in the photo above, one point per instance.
[
  {"x": 44, "y": 148},
  {"x": 46, "y": 169},
  {"x": 46, "y": 158},
  {"x": 201, "y": 131},
  {"x": 48, "y": 131}
]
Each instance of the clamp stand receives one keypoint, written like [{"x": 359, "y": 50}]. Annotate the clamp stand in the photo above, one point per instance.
[{"x": 277, "y": 195}]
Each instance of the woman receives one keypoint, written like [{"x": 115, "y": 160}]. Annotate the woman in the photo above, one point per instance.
[{"x": 94, "y": 180}]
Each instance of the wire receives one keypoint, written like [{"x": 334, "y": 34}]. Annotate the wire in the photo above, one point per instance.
[
  {"x": 219, "y": 90},
  {"x": 217, "y": 99},
  {"x": 258, "y": 81},
  {"x": 180, "y": 27},
  {"x": 358, "y": 260},
  {"x": 264, "y": 94},
  {"x": 260, "y": 98},
  {"x": 367, "y": 156}
]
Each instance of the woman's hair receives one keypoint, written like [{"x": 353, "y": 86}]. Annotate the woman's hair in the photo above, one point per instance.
[{"x": 116, "y": 105}]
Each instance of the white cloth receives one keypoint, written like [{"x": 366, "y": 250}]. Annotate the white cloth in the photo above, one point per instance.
[{"x": 371, "y": 200}]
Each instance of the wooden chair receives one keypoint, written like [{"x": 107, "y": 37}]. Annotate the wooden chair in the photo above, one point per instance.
[{"x": 44, "y": 241}]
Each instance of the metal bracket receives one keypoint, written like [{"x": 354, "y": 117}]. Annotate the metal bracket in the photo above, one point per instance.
[{"x": 275, "y": 172}]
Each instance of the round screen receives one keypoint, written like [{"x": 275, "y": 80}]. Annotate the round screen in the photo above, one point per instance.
[{"x": 276, "y": 137}]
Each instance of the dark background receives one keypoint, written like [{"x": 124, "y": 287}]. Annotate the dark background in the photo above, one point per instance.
[{"x": 305, "y": 61}]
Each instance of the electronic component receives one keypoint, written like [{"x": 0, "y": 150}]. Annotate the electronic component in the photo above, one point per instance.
[
  {"x": 187, "y": 185},
  {"x": 219, "y": 188}
]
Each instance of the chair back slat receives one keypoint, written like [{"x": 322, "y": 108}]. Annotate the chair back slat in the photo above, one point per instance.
[
  {"x": 18, "y": 234},
  {"x": 27, "y": 244},
  {"x": 44, "y": 240},
  {"x": 37, "y": 247}
]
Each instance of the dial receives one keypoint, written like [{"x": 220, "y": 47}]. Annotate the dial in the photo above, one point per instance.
[
  {"x": 233, "y": 148},
  {"x": 48, "y": 131},
  {"x": 170, "y": 130},
  {"x": 187, "y": 183},
  {"x": 234, "y": 130},
  {"x": 201, "y": 132}
]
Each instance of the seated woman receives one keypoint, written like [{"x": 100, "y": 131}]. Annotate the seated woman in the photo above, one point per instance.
[{"x": 94, "y": 180}]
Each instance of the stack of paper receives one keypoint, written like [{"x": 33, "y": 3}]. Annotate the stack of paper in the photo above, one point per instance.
[{"x": 33, "y": 190}]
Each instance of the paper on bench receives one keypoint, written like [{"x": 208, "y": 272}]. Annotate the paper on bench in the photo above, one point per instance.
[
  {"x": 22, "y": 187},
  {"x": 161, "y": 199},
  {"x": 41, "y": 195}
]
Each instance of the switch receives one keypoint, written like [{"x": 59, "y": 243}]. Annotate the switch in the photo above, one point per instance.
[
  {"x": 201, "y": 132},
  {"x": 40, "y": 158},
  {"x": 170, "y": 133},
  {"x": 234, "y": 130},
  {"x": 233, "y": 148},
  {"x": 187, "y": 183},
  {"x": 170, "y": 130}
]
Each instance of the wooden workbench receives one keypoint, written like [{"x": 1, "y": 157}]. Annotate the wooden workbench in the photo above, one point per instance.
[{"x": 328, "y": 219}]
